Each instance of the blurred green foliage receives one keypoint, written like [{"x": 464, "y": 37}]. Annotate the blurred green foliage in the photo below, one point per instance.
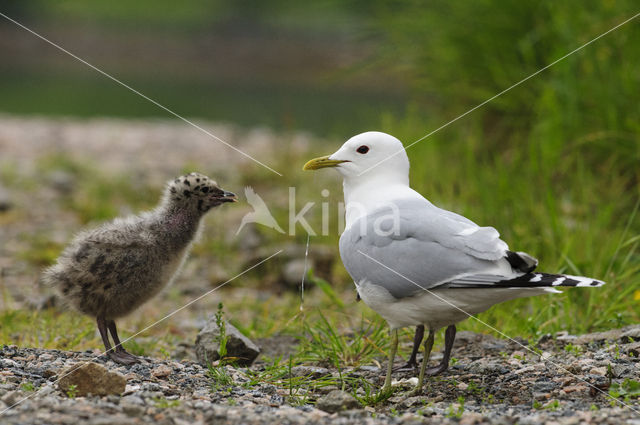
[{"x": 456, "y": 55}]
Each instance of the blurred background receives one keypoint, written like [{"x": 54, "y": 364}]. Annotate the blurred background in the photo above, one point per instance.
[{"x": 553, "y": 164}]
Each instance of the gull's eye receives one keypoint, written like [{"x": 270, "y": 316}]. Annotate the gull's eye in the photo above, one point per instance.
[{"x": 363, "y": 149}]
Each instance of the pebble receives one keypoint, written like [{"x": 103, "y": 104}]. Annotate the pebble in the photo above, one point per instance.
[
  {"x": 313, "y": 372},
  {"x": 5, "y": 200},
  {"x": 337, "y": 401},
  {"x": 161, "y": 371}
]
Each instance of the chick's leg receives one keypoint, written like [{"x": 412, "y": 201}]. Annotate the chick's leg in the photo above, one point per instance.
[{"x": 120, "y": 355}]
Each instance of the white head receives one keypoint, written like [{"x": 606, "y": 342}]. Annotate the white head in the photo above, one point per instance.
[{"x": 368, "y": 156}]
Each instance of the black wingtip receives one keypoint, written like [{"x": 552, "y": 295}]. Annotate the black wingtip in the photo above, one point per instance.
[{"x": 520, "y": 262}]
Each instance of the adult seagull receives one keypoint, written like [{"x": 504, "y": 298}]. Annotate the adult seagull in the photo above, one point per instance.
[{"x": 416, "y": 264}]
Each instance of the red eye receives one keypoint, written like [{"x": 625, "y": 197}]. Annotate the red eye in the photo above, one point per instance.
[{"x": 363, "y": 149}]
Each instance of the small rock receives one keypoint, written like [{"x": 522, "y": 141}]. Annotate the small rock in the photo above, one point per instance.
[
  {"x": 133, "y": 410},
  {"x": 44, "y": 302},
  {"x": 132, "y": 399},
  {"x": 294, "y": 270},
  {"x": 630, "y": 334},
  {"x": 5, "y": 200},
  {"x": 471, "y": 418},
  {"x": 543, "y": 386},
  {"x": 239, "y": 347},
  {"x": 482, "y": 367},
  {"x": 62, "y": 181},
  {"x": 405, "y": 382},
  {"x": 633, "y": 349},
  {"x": 91, "y": 378},
  {"x": 313, "y": 372},
  {"x": 337, "y": 401},
  {"x": 161, "y": 371},
  {"x": 9, "y": 364},
  {"x": 612, "y": 335},
  {"x": 411, "y": 401},
  {"x": 575, "y": 388},
  {"x": 276, "y": 400},
  {"x": 11, "y": 398}
]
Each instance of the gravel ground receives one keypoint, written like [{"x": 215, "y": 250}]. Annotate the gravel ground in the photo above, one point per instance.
[{"x": 491, "y": 381}]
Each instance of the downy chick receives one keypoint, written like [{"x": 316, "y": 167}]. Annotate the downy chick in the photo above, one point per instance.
[{"x": 110, "y": 271}]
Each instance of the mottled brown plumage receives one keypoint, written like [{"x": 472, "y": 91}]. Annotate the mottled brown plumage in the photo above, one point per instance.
[{"x": 109, "y": 271}]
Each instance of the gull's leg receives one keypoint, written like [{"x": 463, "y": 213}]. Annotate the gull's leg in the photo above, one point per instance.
[
  {"x": 428, "y": 345},
  {"x": 417, "y": 340},
  {"x": 449, "y": 337},
  {"x": 392, "y": 355},
  {"x": 120, "y": 355}
]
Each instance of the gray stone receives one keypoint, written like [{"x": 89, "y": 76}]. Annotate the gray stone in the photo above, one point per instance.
[
  {"x": 612, "y": 335},
  {"x": 240, "y": 348},
  {"x": 484, "y": 367},
  {"x": 337, "y": 401},
  {"x": 133, "y": 409},
  {"x": 8, "y": 364},
  {"x": 11, "y": 398},
  {"x": 630, "y": 334},
  {"x": 5, "y": 200},
  {"x": 91, "y": 378},
  {"x": 132, "y": 399},
  {"x": 632, "y": 350},
  {"x": 313, "y": 372},
  {"x": 294, "y": 270},
  {"x": 62, "y": 181}
]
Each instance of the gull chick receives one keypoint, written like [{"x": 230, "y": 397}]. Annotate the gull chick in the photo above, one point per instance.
[
  {"x": 109, "y": 271},
  {"x": 414, "y": 263}
]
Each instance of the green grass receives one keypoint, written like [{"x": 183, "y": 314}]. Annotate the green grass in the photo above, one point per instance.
[{"x": 47, "y": 329}]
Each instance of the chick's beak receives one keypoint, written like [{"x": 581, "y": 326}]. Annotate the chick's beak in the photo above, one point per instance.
[
  {"x": 322, "y": 162},
  {"x": 228, "y": 197}
]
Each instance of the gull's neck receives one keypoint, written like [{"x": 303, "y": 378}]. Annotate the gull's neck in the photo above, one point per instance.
[{"x": 363, "y": 195}]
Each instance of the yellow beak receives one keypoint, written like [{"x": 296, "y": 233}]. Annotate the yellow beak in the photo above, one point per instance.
[{"x": 322, "y": 162}]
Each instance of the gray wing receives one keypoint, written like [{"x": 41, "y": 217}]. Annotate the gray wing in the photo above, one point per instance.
[{"x": 413, "y": 245}]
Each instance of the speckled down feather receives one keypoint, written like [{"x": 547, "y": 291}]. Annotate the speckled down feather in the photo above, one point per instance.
[{"x": 113, "y": 269}]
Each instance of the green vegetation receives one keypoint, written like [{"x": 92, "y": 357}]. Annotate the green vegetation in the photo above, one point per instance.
[
  {"x": 456, "y": 411},
  {"x": 325, "y": 344},
  {"x": 163, "y": 403},
  {"x": 28, "y": 387},
  {"x": 627, "y": 390},
  {"x": 553, "y": 405},
  {"x": 222, "y": 338},
  {"x": 72, "y": 392},
  {"x": 576, "y": 350}
]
